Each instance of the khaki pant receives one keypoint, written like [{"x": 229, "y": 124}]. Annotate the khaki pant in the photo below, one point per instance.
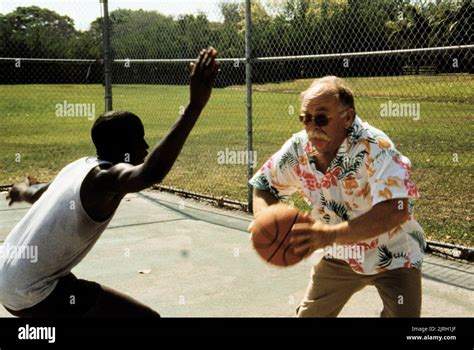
[{"x": 333, "y": 282}]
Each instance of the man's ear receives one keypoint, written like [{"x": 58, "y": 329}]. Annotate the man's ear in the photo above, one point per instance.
[{"x": 350, "y": 115}]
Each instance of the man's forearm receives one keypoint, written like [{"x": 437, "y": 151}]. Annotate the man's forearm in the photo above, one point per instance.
[
  {"x": 162, "y": 158},
  {"x": 381, "y": 218},
  {"x": 34, "y": 192},
  {"x": 261, "y": 200}
]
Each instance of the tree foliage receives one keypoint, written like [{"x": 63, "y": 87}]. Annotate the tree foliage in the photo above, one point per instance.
[{"x": 279, "y": 28}]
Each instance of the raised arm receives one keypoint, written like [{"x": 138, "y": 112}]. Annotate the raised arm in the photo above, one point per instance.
[{"x": 126, "y": 178}]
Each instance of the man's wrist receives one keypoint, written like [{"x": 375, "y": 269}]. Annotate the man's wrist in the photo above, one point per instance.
[
  {"x": 341, "y": 233},
  {"x": 27, "y": 196}
]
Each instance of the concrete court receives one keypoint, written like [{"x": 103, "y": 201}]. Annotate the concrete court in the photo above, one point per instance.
[{"x": 185, "y": 258}]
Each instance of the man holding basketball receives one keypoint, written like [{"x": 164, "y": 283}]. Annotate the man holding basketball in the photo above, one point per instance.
[
  {"x": 70, "y": 213},
  {"x": 360, "y": 190}
]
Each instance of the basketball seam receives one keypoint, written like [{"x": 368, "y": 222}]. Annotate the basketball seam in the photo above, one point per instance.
[
  {"x": 267, "y": 235},
  {"x": 284, "y": 238}
]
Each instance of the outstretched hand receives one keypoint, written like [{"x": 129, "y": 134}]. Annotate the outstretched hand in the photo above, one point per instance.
[
  {"x": 18, "y": 191},
  {"x": 203, "y": 75}
]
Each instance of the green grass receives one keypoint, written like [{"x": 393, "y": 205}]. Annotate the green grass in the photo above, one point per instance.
[{"x": 439, "y": 144}]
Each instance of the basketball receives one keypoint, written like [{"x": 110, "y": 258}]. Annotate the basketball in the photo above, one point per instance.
[{"x": 271, "y": 234}]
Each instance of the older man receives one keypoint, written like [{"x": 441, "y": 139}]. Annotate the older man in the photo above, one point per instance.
[{"x": 360, "y": 189}]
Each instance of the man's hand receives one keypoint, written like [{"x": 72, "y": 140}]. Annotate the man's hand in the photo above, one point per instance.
[
  {"x": 255, "y": 214},
  {"x": 29, "y": 191},
  {"x": 261, "y": 201},
  {"x": 19, "y": 191},
  {"x": 203, "y": 75},
  {"x": 308, "y": 238}
]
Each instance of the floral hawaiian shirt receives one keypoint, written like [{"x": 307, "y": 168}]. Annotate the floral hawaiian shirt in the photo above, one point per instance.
[{"x": 366, "y": 170}]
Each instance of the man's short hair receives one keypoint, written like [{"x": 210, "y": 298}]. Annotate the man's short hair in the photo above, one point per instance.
[
  {"x": 344, "y": 93},
  {"x": 112, "y": 132}
]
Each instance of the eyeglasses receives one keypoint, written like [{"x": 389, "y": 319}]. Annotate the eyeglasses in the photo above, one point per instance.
[{"x": 319, "y": 119}]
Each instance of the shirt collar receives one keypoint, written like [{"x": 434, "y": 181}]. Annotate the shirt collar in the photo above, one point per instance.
[{"x": 357, "y": 131}]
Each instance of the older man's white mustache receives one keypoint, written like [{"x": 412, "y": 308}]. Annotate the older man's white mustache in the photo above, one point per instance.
[{"x": 316, "y": 134}]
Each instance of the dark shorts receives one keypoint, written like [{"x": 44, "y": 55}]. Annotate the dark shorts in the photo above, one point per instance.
[{"x": 74, "y": 298}]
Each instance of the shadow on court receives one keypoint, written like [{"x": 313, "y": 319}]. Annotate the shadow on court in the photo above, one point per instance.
[{"x": 184, "y": 258}]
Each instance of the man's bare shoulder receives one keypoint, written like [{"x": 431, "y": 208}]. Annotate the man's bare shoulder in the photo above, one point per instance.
[
  {"x": 102, "y": 170},
  {"x": 97, "y": 199},
  {"x": 105, "y": 178}
]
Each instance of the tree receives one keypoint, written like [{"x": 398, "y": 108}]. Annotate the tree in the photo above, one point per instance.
[
  {"x": 230, "y": 12},
  {"x": 193, "y": 33},
  {"x": 89, "y": 43},
  {"x": 37, "y": 32}
]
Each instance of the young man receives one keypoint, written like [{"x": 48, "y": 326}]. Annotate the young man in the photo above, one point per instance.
[
  {"x": 360, "y": 188},
  {"x": 94, "y": 187}
]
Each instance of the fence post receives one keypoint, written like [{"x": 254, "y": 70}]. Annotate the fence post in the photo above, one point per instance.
[
  {"x": 248, "y": 84},
  {"x": 107, "y": 59}
]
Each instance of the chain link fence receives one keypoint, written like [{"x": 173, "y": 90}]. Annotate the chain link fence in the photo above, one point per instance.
[
  {"x": 410, "y": 67},
  {"x": 151, "y": 80},
  {"x": 408, "y": 62},
  {"x": 51, "y": 89}
]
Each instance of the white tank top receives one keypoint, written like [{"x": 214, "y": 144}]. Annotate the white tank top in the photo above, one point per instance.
[{"x": 53, "y": 237}]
